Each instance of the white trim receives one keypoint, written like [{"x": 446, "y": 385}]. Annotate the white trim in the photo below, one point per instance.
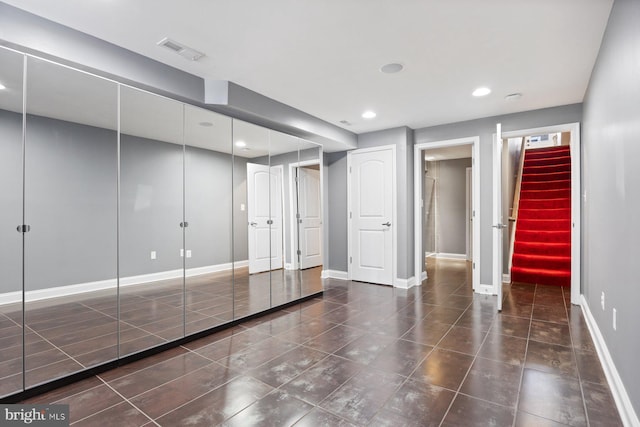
[
  {"x": 576, "y": 198},
  {"x": 423, "y": 277},
  {"x": 81, "y": 288},
  {"x": 506, "y": 278},
  {"x": 445, "y": 255},
  {"x": 405, "y": 283},
  {"x": 334, "y": 274},
  {"x": 289, "y": 266},
  {"x": 474, "y": 141},
  {"x": 620, "y": 396},
  {"x": 394, "y": 211}
]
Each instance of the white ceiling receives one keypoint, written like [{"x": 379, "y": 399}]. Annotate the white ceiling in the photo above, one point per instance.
[{"x": 324, "y": 57}]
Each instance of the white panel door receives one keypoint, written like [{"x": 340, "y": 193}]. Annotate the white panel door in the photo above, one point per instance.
[
  {"x": 258, "y": 215},
  {"x": 372, "y": 178},
  {"x": 498, "y": 221},
  {"x": 276, "y": 217},
  {"x": 310, "y": 221}
]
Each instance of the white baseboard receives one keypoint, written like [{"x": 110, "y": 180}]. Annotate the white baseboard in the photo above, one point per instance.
[
  {"x": 429, "y": 254},
  {"x": 80, "y": 288},
  {"x": 444, "y": 255},
  {"x": 405, "y": 283},
  {"x": 484, "y": 289},
  {"x": 423, "y": 277},
  {"x": 623, "y": 402},
  {"x": 506, "y": 278},
  {"x": 334, "y": 274}
]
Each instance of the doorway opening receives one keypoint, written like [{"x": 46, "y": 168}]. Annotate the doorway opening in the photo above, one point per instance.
[
  {"x": 447, "y": 224},
  {"x": 554, "y": 143}
]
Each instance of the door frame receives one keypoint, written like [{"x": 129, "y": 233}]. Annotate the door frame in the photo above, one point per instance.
[
  {"x": 293, "y": 230},
  {"x": 468, "y": 212},
  {"x": 474, "y": 141},
  {"x": 394, "y": 209},
  {"x": 576, "y": 198}
]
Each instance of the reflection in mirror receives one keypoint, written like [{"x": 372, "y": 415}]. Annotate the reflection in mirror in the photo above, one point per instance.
[
  {"x": 309, "y": 213},
  {"x": 11, "y": 351},
  {"x": 151, "y": 220},
  {"x": 208, "y": 245},
  {"x": 283, "y": 153},
  {"x": 251, "y": 237},
  {"x": 70, "y": 199}
]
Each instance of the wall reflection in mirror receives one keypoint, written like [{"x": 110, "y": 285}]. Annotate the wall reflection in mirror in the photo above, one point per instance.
[{"x": 130, "y": 220}]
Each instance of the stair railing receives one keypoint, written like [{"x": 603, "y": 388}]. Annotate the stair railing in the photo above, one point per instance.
[{"x": 513, "y": 218}]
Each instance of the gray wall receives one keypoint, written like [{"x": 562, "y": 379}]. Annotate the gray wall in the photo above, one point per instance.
[
  {"x": 485, "y": 129},
  {"x": 611, "y": 230},
  {"x": 336, "y": 206},
  {"x": 451, "y": 206},
  {"x": 71, "y": 204},
  {"x": 10, "y": 201}
]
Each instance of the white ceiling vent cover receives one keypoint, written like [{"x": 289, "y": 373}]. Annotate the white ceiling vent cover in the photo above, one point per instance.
[{"x": 180, "y": 49}]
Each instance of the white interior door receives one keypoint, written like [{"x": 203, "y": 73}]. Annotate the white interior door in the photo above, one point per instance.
[
  {"x": 264, "y": 209},
  {"x": 372, "y": 227},
  {"x": 498, "y": 223},
  {"x": 275, "y": 212},
  {"x": 310, "y": 221},
  {"x": 258, "y": 215}
]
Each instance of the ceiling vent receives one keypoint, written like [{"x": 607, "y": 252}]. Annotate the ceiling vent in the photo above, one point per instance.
[{"x": 180, "y": 49}]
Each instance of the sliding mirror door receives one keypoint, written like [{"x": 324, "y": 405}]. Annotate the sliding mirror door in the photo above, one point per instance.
[
  {"x": 309, "y": 213},
  {"x": 70, "y": 221},
  {"x": 11, "y": 100},
  {"x": 208, "y": 211},
  {"x": 284, "y": 155},
  {"x": 151, "y": 244},
  {"x": 251, "y": 213}
]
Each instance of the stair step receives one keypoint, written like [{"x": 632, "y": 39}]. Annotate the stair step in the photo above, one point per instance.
[
  {"x": 528, "y": 203},
  {"x": 549, "y": 262},
  {"x": 546, "y": 161},
  {"x": 546, "y": 185},
  {"x": 544, "y": 236},
  {"x": 556, "y": 193},
  {"x": 547, "y": 152},
  {"x": 543, "y": 248},
  {"x": 543, "y": 224},
  {"x": 562, "y": 213},
  {"x": 562, "y": 167},
  {"x": 541, "y": 276},
  {"x": 553, "y": 176}
]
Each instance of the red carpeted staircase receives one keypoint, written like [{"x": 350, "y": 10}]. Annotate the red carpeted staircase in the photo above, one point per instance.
[{"x": 542, "y": 247}]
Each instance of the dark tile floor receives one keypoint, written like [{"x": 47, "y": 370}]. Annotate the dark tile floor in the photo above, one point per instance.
[
  {"x": 68, "y": 334},
  {"x": 370, "y": 355}
]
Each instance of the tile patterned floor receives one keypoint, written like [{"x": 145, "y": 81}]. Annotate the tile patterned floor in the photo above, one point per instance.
[{"x": 370, "y": 355}]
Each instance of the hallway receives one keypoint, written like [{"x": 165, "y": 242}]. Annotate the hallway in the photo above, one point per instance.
[{"x": 371, "y": 355}]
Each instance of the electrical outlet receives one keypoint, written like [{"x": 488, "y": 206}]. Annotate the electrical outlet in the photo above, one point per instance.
[
  {"x": 615, "y": 319},
  {"x": 602, "y": 301},
  {"x": 153, "y": 254},
  {"x": 188, "y": 253},
  {"x": 181, "y": 252},
  {"x": 242, "y": 206}
]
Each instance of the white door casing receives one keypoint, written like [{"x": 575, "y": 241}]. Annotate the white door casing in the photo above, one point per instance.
[
  {"x": 371, "y": 210},
  {"x": 498, "y": 224},
  {"x": 310, "y": 221},
  {"x": 264, "y": 211}
]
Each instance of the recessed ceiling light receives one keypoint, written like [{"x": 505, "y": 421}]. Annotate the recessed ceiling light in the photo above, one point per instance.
[
  {"x": 368, "y": 115},
  {"x": 481, "y": 91},
  {"x": 513, "y": 96},
  {"x": 206, "y": 124},
  {"x": 392, "y": 68},
  {"x": 2, "y": 87},
  {"x": 241, "y": 144}
]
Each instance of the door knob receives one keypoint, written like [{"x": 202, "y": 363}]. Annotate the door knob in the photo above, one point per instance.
[{"x": 388, "y": 224}]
